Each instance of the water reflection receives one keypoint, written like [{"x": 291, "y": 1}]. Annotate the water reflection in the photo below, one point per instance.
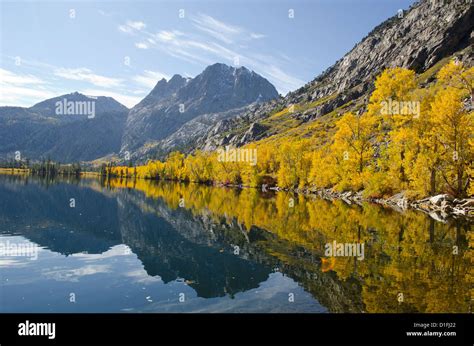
[{"x": 138, "y": 245}]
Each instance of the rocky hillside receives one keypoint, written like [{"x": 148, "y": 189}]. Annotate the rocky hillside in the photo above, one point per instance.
[
  {"x": 40, "y": 132},
  {"x": 423, "y": 39},
  {"x": 170, "y": 114}
]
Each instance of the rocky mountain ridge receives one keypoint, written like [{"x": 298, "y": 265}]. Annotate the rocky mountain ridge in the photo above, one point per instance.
[
  {"x": 427, "y": 34},
  {"x": 168, "y": 116}
]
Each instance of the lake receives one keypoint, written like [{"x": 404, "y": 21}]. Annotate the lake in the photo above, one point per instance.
[{"x": 88, "y": 245}]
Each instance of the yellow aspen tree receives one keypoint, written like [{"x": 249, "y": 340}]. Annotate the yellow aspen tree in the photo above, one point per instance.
[
  {"x": 352, "y": 149},
  {"x": 454, "y": 127},
  {"x": 393, "y": 103}
]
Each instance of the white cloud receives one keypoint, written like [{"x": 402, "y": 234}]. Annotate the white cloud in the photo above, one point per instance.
[
  {"x": 8, "y": 77},
  {"x": 191, "y": 48},
  {"x": 141, "y": 45},
  {"x": 136, "y": 25},
  {"x": 150, "y": 78},
  {"x": 85, "y": 74},
  {"x": 24, "y": 90},
  {"x": 256, "y": 36},
  {"x": 217, "y": 29},
  {"x": 168, "y": 36},
  {"x": 224, "y": 32},
  {"x": 131, "y": 26},
  {"x": 19, "y": 89},
  {"x": 176, "y": 45},
  {"x": 16, "y": 96},
  {"x": 197, "y": 49}
]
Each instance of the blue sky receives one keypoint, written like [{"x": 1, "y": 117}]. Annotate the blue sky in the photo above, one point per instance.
[{"x": 122, "y": 48}]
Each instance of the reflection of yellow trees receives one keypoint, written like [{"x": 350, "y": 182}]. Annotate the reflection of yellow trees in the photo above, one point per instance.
[
  {"x": 382, "y": 151},
  {"x": 405, "y": 253},
  {"x": 414, "y": 257}
]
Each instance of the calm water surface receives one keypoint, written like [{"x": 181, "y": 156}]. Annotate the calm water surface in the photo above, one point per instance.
[{"x": 141, "y": 246}]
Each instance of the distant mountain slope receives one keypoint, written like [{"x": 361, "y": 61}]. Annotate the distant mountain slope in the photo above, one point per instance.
[
  {"x": 423, "y": 39},
  {"x": 170, "y": 105},
  {"x": 81, "y": 140},
  {"x": 103, "y": 104},
  {"x": 38, "y": 132}
]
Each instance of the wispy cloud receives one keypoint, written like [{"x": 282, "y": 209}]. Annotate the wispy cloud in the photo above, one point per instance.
[
  {"x": 17, "y": 79},
  {"x": 131, "y": 26},
  {"x": 212, "y": 40},
  {"x": 168, "y": 36},
  {"x": 222, "y": 31},
  {"x": 141, "y": 45},
  {"x": 179, "y": 45},
  {"x": 256, "y": 36},
  {"x": 85, "y": 74},
  {"x": 16, "y": 89},
  {"x": 46, "y": 81},
  {"x": 216, "y": 28},
  {"x": 215, "y": 40}
]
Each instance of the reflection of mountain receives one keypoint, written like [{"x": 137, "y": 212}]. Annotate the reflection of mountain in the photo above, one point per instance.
[
  {"x": 164, "y": 251},
  {"x": 173, "y": 244},
  {"x": 196, "y": 243},
  {"x": 293, "y": 239},
  {"x": 44, "y": 216},
  {"x": 258, "y": 245},
  {"x": 97, "y": 223}
]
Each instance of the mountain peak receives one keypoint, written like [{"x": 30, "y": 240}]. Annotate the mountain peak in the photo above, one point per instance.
[
  {"x": 176, "y": 77},
  {"x": 218, "y": 65},
  {"x": 163, "y": 89},
  {"x": 102, "y": 103},
  {"x": 218, "y": 89}
]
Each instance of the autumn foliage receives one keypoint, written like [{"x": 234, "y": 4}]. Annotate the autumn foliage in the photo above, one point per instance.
[{"x": 408, "y": 138}]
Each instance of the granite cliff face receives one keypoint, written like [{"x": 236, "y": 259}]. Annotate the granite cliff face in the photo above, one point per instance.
[{"x": 418, "y": 39}]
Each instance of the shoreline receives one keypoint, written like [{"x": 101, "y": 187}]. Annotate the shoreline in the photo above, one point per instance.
[{"x": 441, "y": 207}]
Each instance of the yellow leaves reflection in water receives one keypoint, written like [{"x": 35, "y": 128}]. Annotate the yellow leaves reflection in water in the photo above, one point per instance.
[{"x": 405, "y": 253}]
